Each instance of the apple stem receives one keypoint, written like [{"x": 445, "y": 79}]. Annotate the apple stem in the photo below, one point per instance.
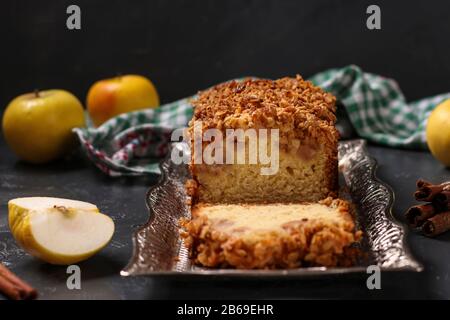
[{"x": 36, "y": 93}]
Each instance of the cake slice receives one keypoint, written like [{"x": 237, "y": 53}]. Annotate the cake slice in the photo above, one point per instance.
[
  {"x": 268, "y": 236},
  {"x": 304, "y": 117}
]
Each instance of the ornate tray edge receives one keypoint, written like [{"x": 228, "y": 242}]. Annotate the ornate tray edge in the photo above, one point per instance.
[
  {"x": 132, "y": 268},
  {"x": 411, "y": 264}
]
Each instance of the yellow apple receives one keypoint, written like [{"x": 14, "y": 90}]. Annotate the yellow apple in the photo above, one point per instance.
[
  {"x": 111, "y": 97},
  {"x": 38, "y": 126},
  {"x": 438, "y": 132},
  {"x": 59, "y": 231}
]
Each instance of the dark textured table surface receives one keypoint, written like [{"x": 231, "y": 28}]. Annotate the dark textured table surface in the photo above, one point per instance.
[{"x": 123, "y": 199}]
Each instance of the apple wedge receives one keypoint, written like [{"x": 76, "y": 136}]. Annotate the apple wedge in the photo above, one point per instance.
[{"x": 59, "y": 231}]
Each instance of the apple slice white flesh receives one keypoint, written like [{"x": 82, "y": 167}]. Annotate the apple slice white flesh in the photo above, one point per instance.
[{"x": 59, "y": 231}]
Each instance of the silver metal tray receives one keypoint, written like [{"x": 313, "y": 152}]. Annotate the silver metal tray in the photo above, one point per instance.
[{"x": 158, "y": 247}]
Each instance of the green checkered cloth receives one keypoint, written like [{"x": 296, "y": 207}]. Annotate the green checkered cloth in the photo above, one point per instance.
[
  {"x": 133, "y": 143},
  {"x": 377, "y": 107}
]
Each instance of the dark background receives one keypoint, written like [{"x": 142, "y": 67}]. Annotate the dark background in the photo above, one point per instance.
[{"x": 185, "y": 46}]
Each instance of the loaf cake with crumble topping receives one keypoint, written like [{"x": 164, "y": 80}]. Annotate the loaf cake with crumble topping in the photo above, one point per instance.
[
  {"x": 268, "y": 236},
  {"x": 304, "y": 116},
  {"x": 289, "y": 218}
]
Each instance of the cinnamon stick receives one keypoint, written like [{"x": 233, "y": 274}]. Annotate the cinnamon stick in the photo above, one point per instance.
[
  {"x": 427, "y": 191},
  {"x": 442, "y": 200},
  {"x": 420, "y": 183},
  {"x": 13, "y": 287},
  {"x": 417, "y": 215},
  {"x": 436, "y": 225}
]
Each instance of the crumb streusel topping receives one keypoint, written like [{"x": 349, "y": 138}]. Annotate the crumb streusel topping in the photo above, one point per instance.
[{"x": 295, "y": 106}]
